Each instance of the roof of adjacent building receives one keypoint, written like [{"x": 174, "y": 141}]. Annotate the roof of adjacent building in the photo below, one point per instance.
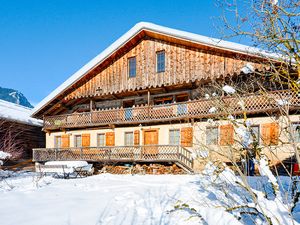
[
  {"x": 17, "y": 113},
  {"x": 178, "y": 34}
]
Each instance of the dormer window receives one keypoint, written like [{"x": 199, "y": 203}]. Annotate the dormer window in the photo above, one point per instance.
[
  {"x": 160, "y": 61},
  {"x": 132, "y": 67}
]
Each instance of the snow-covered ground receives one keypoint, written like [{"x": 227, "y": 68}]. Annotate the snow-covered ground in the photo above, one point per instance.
[{"x": 110, "y": 199}]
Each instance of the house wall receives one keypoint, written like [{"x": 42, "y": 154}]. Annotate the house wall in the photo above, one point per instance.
[
  {"x": 19, "y": 139},
  {"x": 275, "y": 153},
  {"x": 182, "y": 65}
]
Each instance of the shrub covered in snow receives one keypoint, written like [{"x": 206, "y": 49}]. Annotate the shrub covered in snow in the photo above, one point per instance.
[
  {"x": 4, "y": 156},
  {"x": 228, "y": 89}
]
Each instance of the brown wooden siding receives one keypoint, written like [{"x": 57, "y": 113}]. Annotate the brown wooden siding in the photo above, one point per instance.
[
  {"x": 22, "y": 137},
  {"x": 182, "y": 65}
]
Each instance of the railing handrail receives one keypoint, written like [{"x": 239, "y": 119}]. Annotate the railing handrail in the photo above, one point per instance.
[
  {"x": 164, "y": 152},
  {"x": 111, "y": 147},
  {"x": 169, "y": 104}
]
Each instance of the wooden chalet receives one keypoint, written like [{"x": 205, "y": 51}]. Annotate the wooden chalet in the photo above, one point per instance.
[
  {"x": 19, "y": 133},
  {"x": 143, "y": 99}
]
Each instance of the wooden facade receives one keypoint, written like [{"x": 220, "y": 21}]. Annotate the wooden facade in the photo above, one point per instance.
[
  {"x": 19, "y": 138},
  {"x": 187, "y": 65},
  {"x": 183, "y": 65}
]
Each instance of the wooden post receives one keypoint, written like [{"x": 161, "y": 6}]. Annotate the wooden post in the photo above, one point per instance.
[
  {"x": 91, "y": 105},
  {"x": 141, "y": 153},
  {"x": 55, "y": 154},
  {"x": 91, "y": 109},
  {"x": 148, "y": 98},
  {"x": 148, "y": 104}
]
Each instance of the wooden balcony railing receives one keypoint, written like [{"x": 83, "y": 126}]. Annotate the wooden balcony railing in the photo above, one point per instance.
[
  {"x": 146, "y": 153},
  {"x": 176, "y": 111}
]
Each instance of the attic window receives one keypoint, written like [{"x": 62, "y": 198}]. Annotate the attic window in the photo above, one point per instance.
[
  {"x": 132, "y": 67},
  {"x": 160, "y": 61}
]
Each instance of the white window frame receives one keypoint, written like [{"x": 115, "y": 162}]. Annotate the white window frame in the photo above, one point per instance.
[
  {"x": 98, "y": 140},
  {"x": 206, "y": 135},
  {"x": 55, "y": 141},
  {"x": 296, "y": 139},
  {"x": 125, "y": 138},
  {"x": 259, "y": 132},
  {"x": 75, "y": 140},
  {"x": 172, "y": 130}
]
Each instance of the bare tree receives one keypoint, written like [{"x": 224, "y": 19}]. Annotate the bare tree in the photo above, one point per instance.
[{"x": 10, "y": 139}]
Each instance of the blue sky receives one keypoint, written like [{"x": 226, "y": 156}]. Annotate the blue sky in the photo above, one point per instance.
[{"x": 42, "y": 43}]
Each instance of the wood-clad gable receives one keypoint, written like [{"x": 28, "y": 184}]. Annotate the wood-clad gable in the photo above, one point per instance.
[{"x": 183, "y": 64}]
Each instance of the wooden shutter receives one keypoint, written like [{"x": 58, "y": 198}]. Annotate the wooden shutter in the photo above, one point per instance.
[
  {"x": 187, "y": 136},
  {"x": 110, "y": 139},
  {"x": 226, "y": 135},
  {"x": 270, "y": 133},
  {"x": 65, "y": 141},
  {"x": 86, "y": 140},
  {"x": 274, "y": 134},
  {"x": 136, "y": 137}
]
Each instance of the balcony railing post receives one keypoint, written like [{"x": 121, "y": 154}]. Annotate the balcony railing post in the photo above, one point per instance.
[
  {"x": 178, "y": 155},
  {"x": 81, "y": 153},
  {"x": 55, "y": 154}
]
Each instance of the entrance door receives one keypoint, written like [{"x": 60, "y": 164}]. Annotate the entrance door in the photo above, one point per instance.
[{"x": 151, "y": 138}]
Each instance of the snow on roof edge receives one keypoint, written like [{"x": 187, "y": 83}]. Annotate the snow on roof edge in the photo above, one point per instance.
[
  {"x": 155, "y": 28},
  {"x": 18, "y": 113}
]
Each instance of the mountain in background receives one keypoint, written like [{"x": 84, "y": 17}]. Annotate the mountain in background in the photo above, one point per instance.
[{"x": 14, "y": 96}]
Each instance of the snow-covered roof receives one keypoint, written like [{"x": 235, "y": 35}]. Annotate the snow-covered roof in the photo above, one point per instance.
[
  {"x": 208, "y": 41},
  {"x": 18, "y": 113}
]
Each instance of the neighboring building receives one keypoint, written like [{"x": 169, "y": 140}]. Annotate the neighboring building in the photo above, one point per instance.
[
  {"x": 143, "y": 99},
  {"x": 19, "y": 133}
]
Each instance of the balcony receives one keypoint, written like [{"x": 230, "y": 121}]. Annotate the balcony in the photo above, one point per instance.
[
  {"x": 176, "y": 111},
  {"x": 147, "y": 153}
]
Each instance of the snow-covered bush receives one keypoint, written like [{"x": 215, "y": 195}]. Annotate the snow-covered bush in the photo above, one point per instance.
[{"x": 4, "y": 156}]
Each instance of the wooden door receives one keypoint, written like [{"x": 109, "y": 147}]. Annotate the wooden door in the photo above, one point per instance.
[{"x": 151, "y": 138}]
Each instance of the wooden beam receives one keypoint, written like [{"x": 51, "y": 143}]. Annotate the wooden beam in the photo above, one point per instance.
[
  {"x": 91, "y": 105},
  {"x": 148, "y": 97}
]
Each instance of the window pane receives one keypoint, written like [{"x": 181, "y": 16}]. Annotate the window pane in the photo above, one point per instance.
[
  {"x": 255, "y": 136},
  {"x": 296, "y": 132},
  {"x": 132, "y": 67},
  {"x": 212, "y": 135},
  {"x": 128, "y": 138},
  {"x": 100, "y": 140},
  {"x": 78, "y": 141},
  {"x": 160, "y": 61},
  {"x": 174, "y": 137},
  {"x": 57, "y": 142}
]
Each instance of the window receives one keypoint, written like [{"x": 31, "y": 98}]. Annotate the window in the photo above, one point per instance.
[
  {"x": 174, "y": 137},
  {"x": 160, "y": 61},
  {"x": 57, "y": 142},
  {"x": 296, "y": 132},
  {"x": 132, "y": 67},
  {"x": 77, "y": 141},
  {"x": 255, "y": 133},
  {"x": 212, "y": 135},
  {"x": 100, "y": 140},
  {"x": 163, "y": 100},
  {"x": 128, "y": 138}
]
